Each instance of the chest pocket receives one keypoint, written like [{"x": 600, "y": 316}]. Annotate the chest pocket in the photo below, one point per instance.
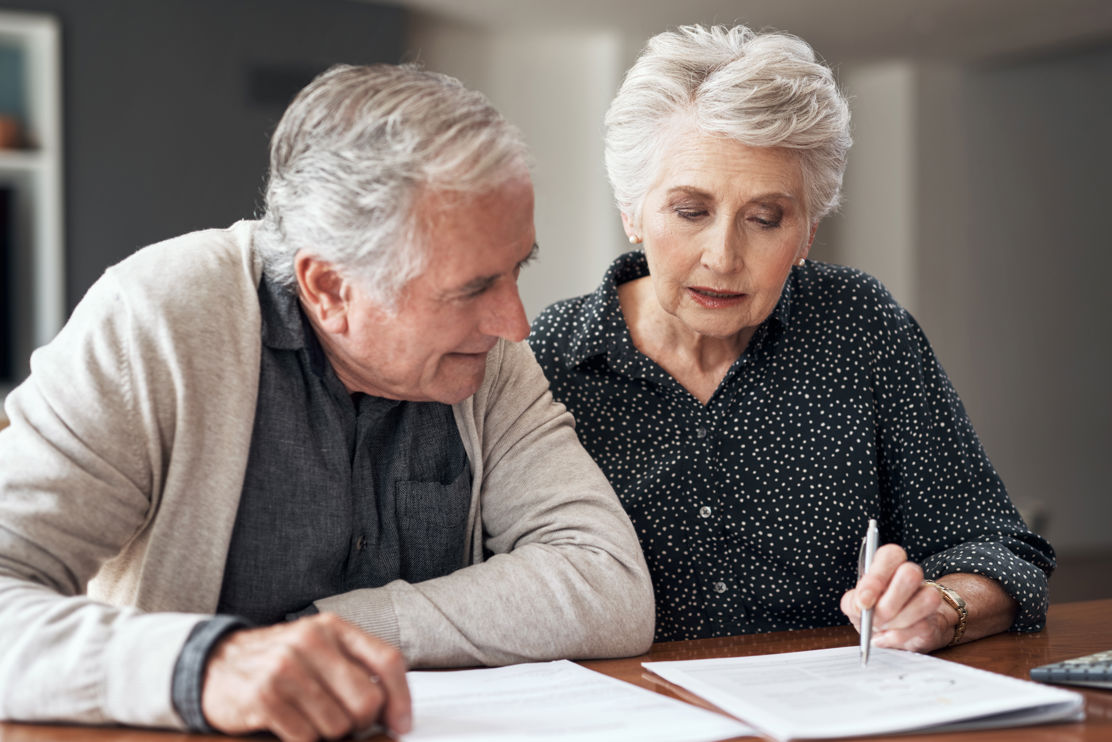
[{"x": 432, "y": 526}]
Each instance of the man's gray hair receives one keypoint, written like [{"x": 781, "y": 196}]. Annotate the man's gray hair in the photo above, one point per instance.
[
  {"x": 352, "y": 156},
  {"x": 761, "y": 89}
]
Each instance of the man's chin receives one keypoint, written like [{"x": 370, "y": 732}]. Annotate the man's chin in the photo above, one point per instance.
[{"x": 461, "y": 377}]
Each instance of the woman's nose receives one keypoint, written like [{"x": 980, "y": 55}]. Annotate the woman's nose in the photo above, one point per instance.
[{"x": 722, "y": 252}]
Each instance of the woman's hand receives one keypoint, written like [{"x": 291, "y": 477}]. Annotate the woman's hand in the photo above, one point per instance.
[
  {"x": 910, "y": 615},
  {"x": 906, "y": 613}
]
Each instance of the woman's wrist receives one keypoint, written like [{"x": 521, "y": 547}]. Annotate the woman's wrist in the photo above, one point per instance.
[{"x": 957, "y": 607}]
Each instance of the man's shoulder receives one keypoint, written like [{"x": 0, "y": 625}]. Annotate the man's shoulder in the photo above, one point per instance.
[
  {"x": 209, "y": 273},
  {"x": 196, "y": 256}
]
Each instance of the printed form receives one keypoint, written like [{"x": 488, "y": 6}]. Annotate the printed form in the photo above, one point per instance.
[
  {"x": 827, "y": 693},
  {"x": 543, "y": 702}
]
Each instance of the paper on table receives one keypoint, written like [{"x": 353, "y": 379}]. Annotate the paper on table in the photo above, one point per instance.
[
  {"x": 826, "y": 693},
  {"x": 553, "y": 700}
]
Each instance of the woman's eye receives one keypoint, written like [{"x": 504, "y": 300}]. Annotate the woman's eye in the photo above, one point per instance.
[
  {"x": 766, "y": 222},
  {"x": 691, "y": 214}
]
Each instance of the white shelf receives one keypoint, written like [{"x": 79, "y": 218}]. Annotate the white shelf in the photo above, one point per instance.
[{"x": 35, "y": 177}]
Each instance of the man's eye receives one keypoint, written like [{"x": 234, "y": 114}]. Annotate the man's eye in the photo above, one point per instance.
[{"x": 531, "y": 257}]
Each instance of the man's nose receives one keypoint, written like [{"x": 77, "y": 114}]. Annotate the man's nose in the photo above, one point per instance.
[{"x": 506, "y": 318}]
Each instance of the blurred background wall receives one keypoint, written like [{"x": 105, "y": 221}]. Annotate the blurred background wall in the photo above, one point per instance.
[{"x": 977, "y": 185}]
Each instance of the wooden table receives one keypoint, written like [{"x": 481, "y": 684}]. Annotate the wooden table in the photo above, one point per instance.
[{"x": 1073, "y": 629}]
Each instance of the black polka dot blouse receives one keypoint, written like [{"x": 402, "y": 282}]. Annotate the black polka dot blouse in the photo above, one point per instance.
[{"x": 751, "y": 508}]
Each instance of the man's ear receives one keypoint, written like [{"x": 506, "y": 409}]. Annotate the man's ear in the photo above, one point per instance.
[{"x": 323, "y": 292}]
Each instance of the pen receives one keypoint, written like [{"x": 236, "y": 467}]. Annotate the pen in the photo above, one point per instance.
[{"x": 864, "y": 561}]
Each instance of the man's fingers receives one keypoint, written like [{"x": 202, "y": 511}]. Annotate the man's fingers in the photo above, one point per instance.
[
  {"x": 317, "y": 701},
  {"x": 387, "y": 666},
  {"x": 353, "y": 685},
  {"x": 286, "y": 722},
  {"x": 316, "y": 677}
]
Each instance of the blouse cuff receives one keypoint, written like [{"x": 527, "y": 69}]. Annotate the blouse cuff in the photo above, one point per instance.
[{"x": 1024, "y": 582}]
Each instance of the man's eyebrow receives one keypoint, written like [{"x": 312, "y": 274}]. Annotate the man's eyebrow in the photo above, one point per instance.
[{"x": 482, "y": 283}]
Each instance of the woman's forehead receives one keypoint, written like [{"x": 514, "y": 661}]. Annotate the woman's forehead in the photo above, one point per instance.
[{"x": 690, "y": 159}]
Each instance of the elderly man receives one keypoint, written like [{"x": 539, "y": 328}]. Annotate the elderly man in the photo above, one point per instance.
[{"x": 262, "y": 468}]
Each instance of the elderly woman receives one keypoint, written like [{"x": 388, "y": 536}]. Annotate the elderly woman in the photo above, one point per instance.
[{"x": 753, "y": 408}]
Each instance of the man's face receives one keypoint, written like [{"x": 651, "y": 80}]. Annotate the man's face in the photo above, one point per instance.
[{"x": 434, "y": 346}]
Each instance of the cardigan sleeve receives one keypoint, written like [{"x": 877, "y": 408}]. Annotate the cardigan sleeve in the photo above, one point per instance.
[
  {"x": 564, "y": 577},
  {"x": 75, "y": 487}
]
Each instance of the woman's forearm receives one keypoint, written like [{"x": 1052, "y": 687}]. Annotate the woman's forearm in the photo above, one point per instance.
[{"x": 989, "y": 609}]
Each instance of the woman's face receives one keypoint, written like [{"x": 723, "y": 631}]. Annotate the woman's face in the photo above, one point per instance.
[{"x": 722, "y": 225}]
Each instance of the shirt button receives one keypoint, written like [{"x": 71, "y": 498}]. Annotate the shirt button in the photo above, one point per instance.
[
  {"x": 705, "y": 511},
  {"x": 700, "y": 432},
  {"x": 720, "y": 587},
  {"x": 360, "y": 544}
]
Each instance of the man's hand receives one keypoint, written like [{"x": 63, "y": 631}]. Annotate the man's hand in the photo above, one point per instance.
[
  {"x": 312, "y": 678},
  {"x": 907, "y": 614}
]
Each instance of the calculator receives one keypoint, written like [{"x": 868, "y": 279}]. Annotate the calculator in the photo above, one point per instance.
[{"x": 1093, "y": 670}]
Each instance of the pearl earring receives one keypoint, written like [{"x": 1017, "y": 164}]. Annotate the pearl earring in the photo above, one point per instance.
[
  {"x": 634, "y": 239},
  {"x": 801, "y": 262}
]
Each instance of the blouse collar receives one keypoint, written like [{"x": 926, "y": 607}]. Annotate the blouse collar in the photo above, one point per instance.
[{"x": 600, "y": 326}]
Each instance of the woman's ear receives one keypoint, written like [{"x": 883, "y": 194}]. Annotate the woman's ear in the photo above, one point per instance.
[
  {"x": 632, "y": 232},
  {"x": 323, "y": 292},
  {"x": 810, "y": 241}
]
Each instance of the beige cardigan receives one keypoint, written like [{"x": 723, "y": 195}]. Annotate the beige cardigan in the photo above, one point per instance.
[{"x": 121, "y": 473}]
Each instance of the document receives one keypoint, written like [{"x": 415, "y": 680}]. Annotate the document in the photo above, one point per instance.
[
  {"x": 827, "y": 693},
  {"x": 543, "y": 702}
]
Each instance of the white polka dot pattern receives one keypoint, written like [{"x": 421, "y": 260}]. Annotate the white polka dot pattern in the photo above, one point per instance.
[{"x": 751, "y": 508}]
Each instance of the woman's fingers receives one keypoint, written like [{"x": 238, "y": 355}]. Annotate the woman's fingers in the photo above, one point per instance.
[
  {"x": 875, "y": 582},
  {"x": 906, "y": 613}
]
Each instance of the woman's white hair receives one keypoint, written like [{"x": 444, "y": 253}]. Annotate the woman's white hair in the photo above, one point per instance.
[
  {"x": 761, "y": 89},
  {"x": 353, "y": 154}
]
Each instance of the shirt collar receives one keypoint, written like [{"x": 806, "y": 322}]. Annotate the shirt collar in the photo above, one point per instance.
[
  {"x": 285, "y": 326},
  {"x": 600, "y": 325}
]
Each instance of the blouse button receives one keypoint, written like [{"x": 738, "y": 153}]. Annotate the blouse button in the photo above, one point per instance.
[
  {"x": 700, "y": 432},
  {"x": 705, "y": 511},
  {"x": 720, "y": 587}
]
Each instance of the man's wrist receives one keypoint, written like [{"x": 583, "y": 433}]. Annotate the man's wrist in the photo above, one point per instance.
[{"x": 189, "y": 671}]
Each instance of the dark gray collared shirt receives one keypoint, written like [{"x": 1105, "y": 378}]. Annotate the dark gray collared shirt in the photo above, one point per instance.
[{"x": 341, "y": 492}]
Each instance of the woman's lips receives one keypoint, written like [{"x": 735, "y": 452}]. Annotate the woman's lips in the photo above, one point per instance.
[{"x": 714, "y": 299}]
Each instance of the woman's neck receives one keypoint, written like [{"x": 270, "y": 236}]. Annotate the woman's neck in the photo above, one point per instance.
[{"x": 698, "y": 362}]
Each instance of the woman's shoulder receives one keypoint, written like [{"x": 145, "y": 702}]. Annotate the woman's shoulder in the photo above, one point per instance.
[
  {"x": 559, "y": 329},
  {"x": 828, "y": 289},
  {"x": 585, "y": 325},
  {"x": 555, "y": 320}
]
